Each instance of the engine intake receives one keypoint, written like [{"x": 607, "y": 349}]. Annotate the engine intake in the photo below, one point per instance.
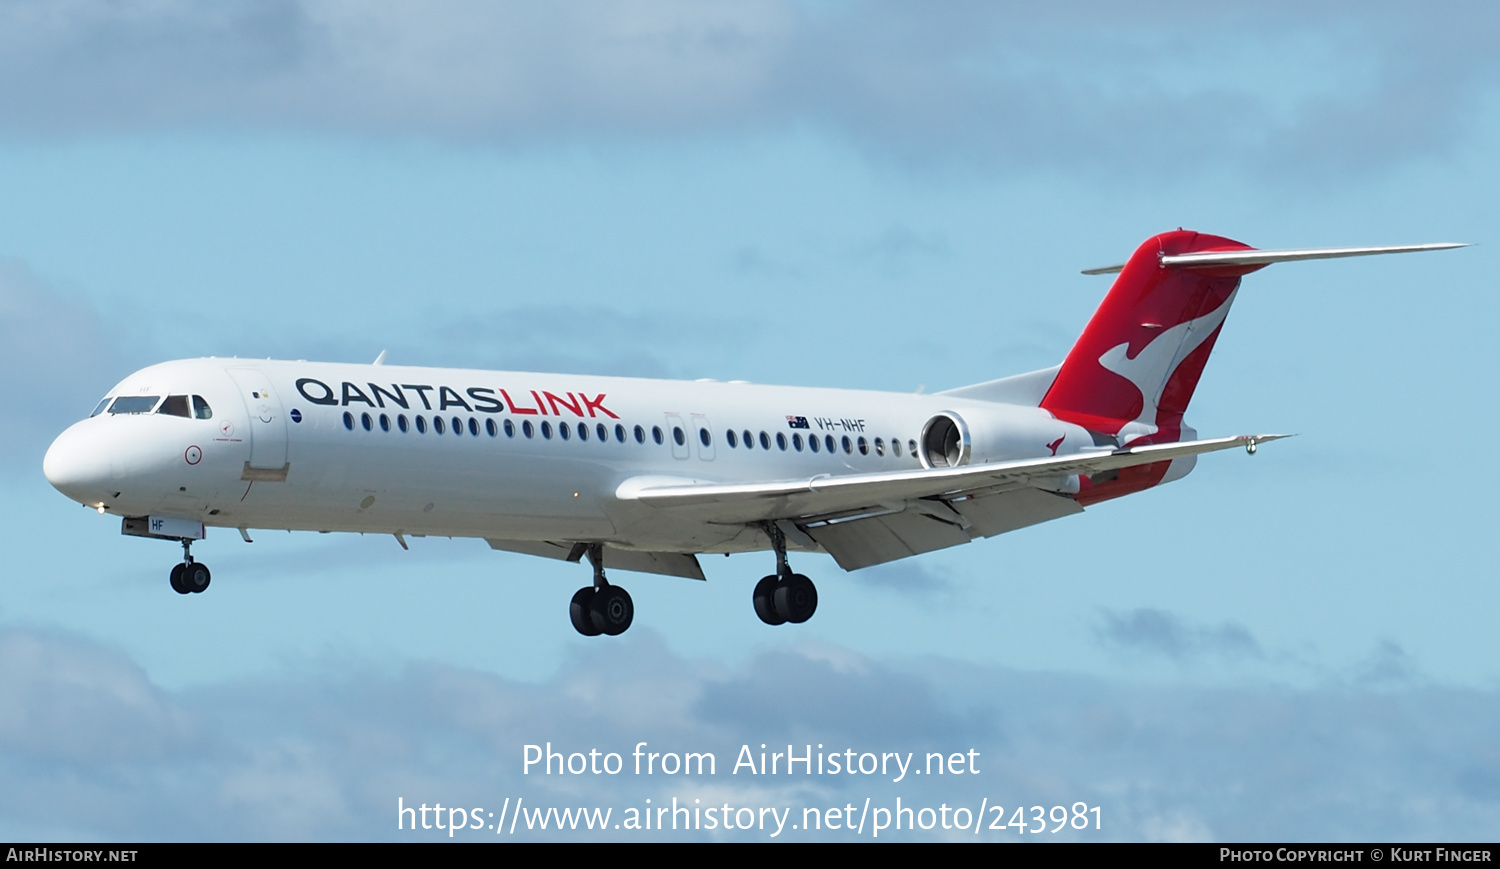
[{"x": 945, "y": 441}]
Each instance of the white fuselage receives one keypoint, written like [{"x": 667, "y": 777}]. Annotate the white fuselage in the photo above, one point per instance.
[{"x": 499, "y": 455}]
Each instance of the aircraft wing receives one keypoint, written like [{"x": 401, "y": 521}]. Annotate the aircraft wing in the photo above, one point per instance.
[{"x": 864, "y": 519}]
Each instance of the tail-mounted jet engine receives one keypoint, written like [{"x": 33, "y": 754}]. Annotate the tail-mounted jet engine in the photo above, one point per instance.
[{"x": 945, "y": 442}]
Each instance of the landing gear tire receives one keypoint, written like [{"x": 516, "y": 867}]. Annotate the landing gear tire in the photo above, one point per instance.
[
  {"x": 176, "y": 579},
  {"x": 195, "y": 577},
  {"x": 796, "y": 598},
  {"x": 765, "y": 601},
  {"x": 612, "y": 610},
  {"x": 580, "y": 612}
]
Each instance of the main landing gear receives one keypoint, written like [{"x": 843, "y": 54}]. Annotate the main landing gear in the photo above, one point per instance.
[
  {"x": 189, "y": 577},
  {"x": 601, "y": 608},
  {"x": 785, "y": 596}
]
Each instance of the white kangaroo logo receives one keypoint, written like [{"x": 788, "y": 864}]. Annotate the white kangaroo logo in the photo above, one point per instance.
[{"x": 1153, "y": 366}]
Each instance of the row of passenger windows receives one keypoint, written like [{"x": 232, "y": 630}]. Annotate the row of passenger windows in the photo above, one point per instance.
[
  {"x": 814, "y": 444},
  {"x": 189, "y": 406},
  {"x": 459, "y": 425}
]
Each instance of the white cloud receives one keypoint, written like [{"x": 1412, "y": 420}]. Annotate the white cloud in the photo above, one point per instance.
[
  {"x": 1159, "y": 632},
  {"x": 60, "y": 356},
  {"x": 1284, "y": 88},
  {"x": 86, "y": 737}
]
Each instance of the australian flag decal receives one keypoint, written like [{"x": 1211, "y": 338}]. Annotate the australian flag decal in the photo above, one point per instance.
[{"x": 797, "y": 422}]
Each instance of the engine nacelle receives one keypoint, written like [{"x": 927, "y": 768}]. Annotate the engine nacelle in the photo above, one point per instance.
[
  {"x": 945, "y": 442},
  {"x": 977, "y": 435}
]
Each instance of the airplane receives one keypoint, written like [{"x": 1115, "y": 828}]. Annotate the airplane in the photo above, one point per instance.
[{"x": 645, "y": 475}]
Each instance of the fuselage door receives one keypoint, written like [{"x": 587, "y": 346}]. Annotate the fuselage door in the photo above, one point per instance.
[
  {"x": 267, "y": 421},
  {"x": 678, "y": 435},
  {"x": 702, "y": 435}
]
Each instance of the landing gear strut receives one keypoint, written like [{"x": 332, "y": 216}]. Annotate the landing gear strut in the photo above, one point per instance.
[
  {"x": 784, "y": 596},
  {"x": 189, "y": 577},
  {"x": 601, "y": 608}
]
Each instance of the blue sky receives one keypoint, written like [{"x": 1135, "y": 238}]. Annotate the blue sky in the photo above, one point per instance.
[{"x": 1297, "y": 645}]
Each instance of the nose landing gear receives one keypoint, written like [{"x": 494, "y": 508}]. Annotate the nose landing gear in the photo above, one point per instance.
[{"x": 189, "y": 577}]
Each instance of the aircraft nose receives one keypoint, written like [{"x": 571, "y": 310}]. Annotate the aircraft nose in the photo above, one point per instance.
[{"x": 76, "y": 466}]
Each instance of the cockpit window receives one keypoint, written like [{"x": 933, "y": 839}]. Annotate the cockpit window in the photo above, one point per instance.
[
  {"x": 134, "y": 404},
  {"x": 100, "y": 409},
  {"x": 178, "y": 405}
]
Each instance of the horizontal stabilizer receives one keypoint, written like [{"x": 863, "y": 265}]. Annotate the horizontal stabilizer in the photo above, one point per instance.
[{"x": 1266, "y": 257}]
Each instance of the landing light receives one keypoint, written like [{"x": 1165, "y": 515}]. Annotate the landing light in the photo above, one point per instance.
[{"x": 100, "y": 508}]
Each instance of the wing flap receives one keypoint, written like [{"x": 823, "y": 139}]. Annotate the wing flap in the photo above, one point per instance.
[
  {"x": 666, "y": 563},
  {"x": 861, "y": 542},
  {"x": 876, "y": 537}
]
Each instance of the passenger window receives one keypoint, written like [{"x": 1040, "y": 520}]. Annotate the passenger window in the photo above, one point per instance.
[
  {"x": 619, "y": 432},
  {"x": 896, "y": 448},
  {"x": 510, "y": 429},
  {"x": 704, "y": 437},
  {"x": 864, "y": 446},
  {"x": 201, "y": 410},
  {"x": 421, "y": 425},
  {"x": 458, "y": 426},
  {"x": 679, "y": 436},
  {"x": 781, "y": 441},
  {"x": 812, "y": 442},
  {"x": 490, "y": 428},
  {"x": 604, "y": 432},
  {"x": 547, "y": 430},
  {"x": 401, "y": 422},
  {"x": 828, "y": 442},
  {"x": 912, "y": 446},
  {"x": 437, "y": 425},
  {"x": 364, "y": 420},
  {"x": 583, "y": 432},
  {"x": 528, "y": 429},
  {"x": 562, "y": 429},
  {"x": 749, "y": 440},
  {"x": 797, "y": 442},
  {"x": 765, "y": 441},
  {"x": 730, "y": 439},
  {"x": 473, "y": 427},
  {"x": 174, "y": 405},
  {"x": 879, "y": 447},
  {"x": 348, "y": 420},
  {"x": 656, "y": 435},
  {"x": 385, "y": 423},
  {"x": 640, "y": 435}
]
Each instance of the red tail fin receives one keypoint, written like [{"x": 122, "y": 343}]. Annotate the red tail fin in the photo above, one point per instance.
[{"x": 1134, "y": 368}]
